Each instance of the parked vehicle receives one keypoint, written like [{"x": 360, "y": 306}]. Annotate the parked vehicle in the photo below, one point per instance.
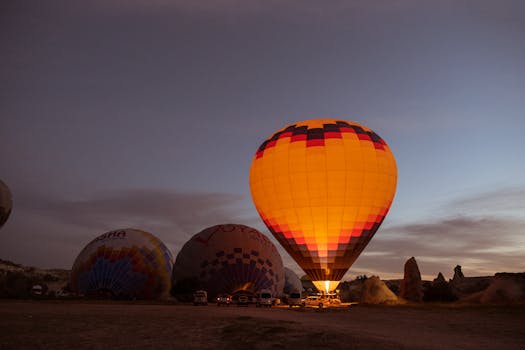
[
  {"x": 243, "y": 300},
  {"x": 322, "y": 300},
  {"x": 315, "y": 301},
  {"x": 200, "y": 297},
  {"x": 264, "y": 298},
  {"x": 224, "y": 299},
  {"x": 333, "y": 298},
  {"x": 63, "y": 294},
  {"x": 37, "y": 290},
  {"x": 294, "y": 299}
]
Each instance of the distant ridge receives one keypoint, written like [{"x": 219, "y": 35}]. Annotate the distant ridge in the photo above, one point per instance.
[{"x": 16, "y": 280}]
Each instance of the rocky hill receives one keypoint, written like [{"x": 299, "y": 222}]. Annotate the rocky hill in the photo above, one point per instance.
[{"x": 17, "y": 281}]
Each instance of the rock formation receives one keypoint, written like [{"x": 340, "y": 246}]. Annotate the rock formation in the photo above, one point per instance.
[
  {"x": 411, "y": 287},
  {"x": 375, "y": 291},
  {"x": 463, "y": 286},
  {"x": 351, "y": 291},
  {"x": 458, "y": 274},
  {"x": 393, "y": 285},
  {"x": 17, "y": 280},
  {"x": 505, "y": 288},
  {"x": 439, "y": 279},
  {"x": 439, "y": 290}
]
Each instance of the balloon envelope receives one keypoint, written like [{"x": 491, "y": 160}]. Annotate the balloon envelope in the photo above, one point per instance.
[
  {"x": 6, "y": 203},
  {"x": 124, "y": 263},
  {"x": 230, "y": 259},
  {"x": 292, "y": 282},
  {"x": 323, "y": 188}
]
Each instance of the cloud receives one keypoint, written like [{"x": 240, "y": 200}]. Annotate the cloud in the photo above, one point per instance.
[
  {"x": 483, "y": 238},
  {"x": 49, "y": 231},
  {"x": 508, "y": 200},
  {"x": 183, "y": 213}
]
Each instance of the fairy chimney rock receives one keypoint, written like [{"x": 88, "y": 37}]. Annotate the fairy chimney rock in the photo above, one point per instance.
[
  {"x": 458, "y": 274},
  {"x": 411, "y": 286},
  {"x": 439, "y": 279}
]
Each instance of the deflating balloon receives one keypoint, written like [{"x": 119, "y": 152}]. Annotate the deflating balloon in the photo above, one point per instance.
[
  {"x": 230, "y": 259},
  {"x": 124, "y": 263},
  {"x": 323, "y": 188},
  {"x": 5, "y": 203}
]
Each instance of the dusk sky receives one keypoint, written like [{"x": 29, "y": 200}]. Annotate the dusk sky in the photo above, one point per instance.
[{"x": 147, "y": 114}]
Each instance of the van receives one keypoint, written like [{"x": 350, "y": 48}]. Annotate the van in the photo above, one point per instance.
[
  {"x": 200, "y": 297},
  {"x": 242, "y": 300},
  {"x": 264, "y": 298},
  {"x": 37, "y": 290},
  {"x": 294, "y": 299}
]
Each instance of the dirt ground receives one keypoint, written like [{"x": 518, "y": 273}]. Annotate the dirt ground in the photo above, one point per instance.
[{"x": 119, "y": 325}]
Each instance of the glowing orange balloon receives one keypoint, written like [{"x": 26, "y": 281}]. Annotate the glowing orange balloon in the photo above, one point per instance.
[{"x": 323, "y": 187}]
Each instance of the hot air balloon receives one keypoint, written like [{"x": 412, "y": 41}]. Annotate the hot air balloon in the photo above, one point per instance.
[
  {"x": 5, "y": 203},
  {"x": 230, "y": 259},
  {"x": 126, "y": 263},
  {"x": 323, "y": 187},
  {"x": 292, "y": 282}
]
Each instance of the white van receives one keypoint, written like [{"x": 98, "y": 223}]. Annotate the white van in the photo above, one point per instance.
[
  {"x": 200, "y": 297},
  {"x": 264, "y": 298},
  {"x": 37, "y": 290},
  {"x": 294, "y": 299}
]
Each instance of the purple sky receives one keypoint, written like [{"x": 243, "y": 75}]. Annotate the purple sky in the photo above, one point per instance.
[{"x": 147, "y": 113}]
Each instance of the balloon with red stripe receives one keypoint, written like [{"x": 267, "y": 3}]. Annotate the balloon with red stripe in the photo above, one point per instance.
[{"x": 323, "y": 187}]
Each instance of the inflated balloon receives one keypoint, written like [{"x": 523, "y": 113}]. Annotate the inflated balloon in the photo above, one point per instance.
[
  {"x": 323, "y": 188},
  {"x": 230, "y": 259},
  {"x": 5, "y": 203},
  {"x": 123, "y": 263},
  {"x": 292, "y": 282}
]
